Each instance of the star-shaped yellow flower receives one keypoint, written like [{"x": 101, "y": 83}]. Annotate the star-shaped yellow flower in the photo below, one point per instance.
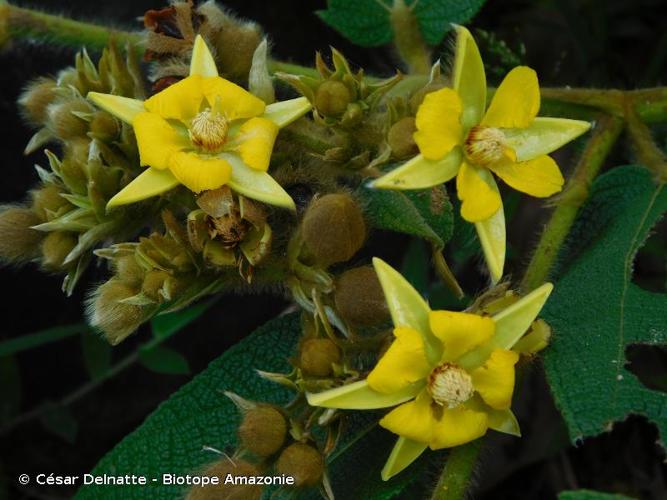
[
  {"x": 458, "y": 136},
  {"x": 204, "y": 132},
  {"x": 451, "y": 373}
]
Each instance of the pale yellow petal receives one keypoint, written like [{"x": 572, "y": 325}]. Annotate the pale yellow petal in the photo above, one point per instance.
[
  {"x": 543, "y": 136},
  {"x": 123, "y": 108},
  {"x": 492, "y": 238},
  {"x": 255, "y": 142},
  {"x": 516, "y": 101},
  {"x": 157, "y": 140},
  {"x": 469, "y": 79},
  {"x": 202, "y": 62},
  {"x": 235, "y": 101},
  {"x": 404, "y": 452},
  {"x": 359, "y": 396},
  {"x": 403, "y": 364},
  {"x": 149, "y": 183},
  {"x": 285, "y": 112},
  {"x": 180, "y": 101},
  {"x": 438, "y": 124},
  {"x": 460, "y": 332},
  {"x": 199, "y": 173},
  {"x": 421, "y": 173},
  {"x": 413, "y": 420},
  {"x": 458, "y": 426},
  {"x": 494, "y": 380},
  {"x": 478, "y": 193},
  {"x": 539, "y": 177}
]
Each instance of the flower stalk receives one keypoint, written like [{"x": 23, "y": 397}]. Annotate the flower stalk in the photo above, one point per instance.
[{"x": 456, "y": 475}]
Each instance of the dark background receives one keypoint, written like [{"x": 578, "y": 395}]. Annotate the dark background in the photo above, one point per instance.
[{"x": 588, "y": 43}]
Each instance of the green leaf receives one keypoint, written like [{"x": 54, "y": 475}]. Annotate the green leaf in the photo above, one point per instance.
[
  {"x": 368, "y": 22},
  {"x": 96, "y": 354},
  {"x": 162, "y": 359},
  {"x": 426, "y": 214},
  {"x": 40, "y": 338},
  {"x": 590, "y": 495},
  {"x": 165, "y": 325},
  {"x": 597, "y": 312}
]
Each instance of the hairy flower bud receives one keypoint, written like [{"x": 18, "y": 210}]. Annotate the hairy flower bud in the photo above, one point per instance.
[
  {"x": 401, "y": 140},
  {"x": 55, "y": 248},
  {"x": 47, "y": 200},
  {"x": 332, "y": 98},
  {"x": 227, "y": 491},
  {"x": 36, "y": 98},
  {"x": 317, "y": 356},
  {"x": 262, "y": 430},
  {"x": 129, "y": 271},
  {"x": 18, "y": 241},
  {"x": 104, "y": 127},
  {"x": 333, "y": 228},
  {"x": 359, "y": 297},
  {"x": 116, "y": 319},
  {"x": 303, "y": 462},
  {"x": 153, "y": 283},
  {"x": 64, "y": 123}
]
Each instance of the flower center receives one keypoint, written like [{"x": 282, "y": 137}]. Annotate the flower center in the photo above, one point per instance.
[
  {"x": 485, "y": 145},
  {"x": 449, "y": 385},
  {"x": 209, "y": 130}
]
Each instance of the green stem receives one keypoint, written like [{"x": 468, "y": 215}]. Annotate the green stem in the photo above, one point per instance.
[
  {"x": 648, "y": 153},
  {"x": 607, "y": 131},
  {"x": 408, "y": 38},
  {"x": 455, "y": 478}
]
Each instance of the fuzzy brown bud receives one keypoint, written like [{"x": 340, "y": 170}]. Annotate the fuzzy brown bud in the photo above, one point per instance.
[
  {"x": 227, "y": 491},
  {"x": 334, "y": 228},
  {"x": 129, "y": 271},
  {"x": 153, "y": 283},
  {"x": 116, "y": 319},
  {"x": 47, "y": 200},
  {"x": 235, "y": 45},
  {"x": 64, "y": 123},
  {"x": 332, "y": 98},
  {"x": 262, "y": 430},
  {"x": 359, "y": 297},
  {"x": 303, "y": 462},
  {"x": 400, "y": 138},
  {"x": 36, "y": 98},
  {"x": 317, "y": 356},
  {"x": 18, "y": 241},
  {"x": 104, "y": 126},
  {"x": 55, "y": 249}
]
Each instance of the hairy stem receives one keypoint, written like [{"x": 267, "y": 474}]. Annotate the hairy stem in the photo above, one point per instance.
[
  {"x": 456, "y": 475},
  {"x": 605, "y": 134},
  {"x": 647, "y": 151}
]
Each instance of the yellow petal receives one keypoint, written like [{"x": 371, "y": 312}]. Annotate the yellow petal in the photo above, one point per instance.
[
  {"x": 256, "y": 184},
  {"x": 285, "y": 112},
  {"x": 438, "y": 124},
  {"x": 460, "y": 332},
  {"x": 420, "y": 173},
  {"x": 413, "y": 420},
  {"x": 199, "y": 173},
  {"x": 403, "y": 364},
  {"x": 180, "y": 101},
  {"x": 124, "y": 108},
  {"x": 149, "y": 183},
  {"x": 516, "y": 102},
  {"x": 491, "y": 234},
  {"x": 256, "y": 137},
  {"x": 469, "y": 78},
  {"x": 407, "y": 307},
  {"x": 202, "y": 62},
  {"x": 157, "y": 140},
  {"x": 543, "y": 136},
  {"x": 404, "y": 452},
  {"x": 359, "y": 396},
  {"x": 504, "y": 421},
  {"x": 494, "y": 380},
  {"x": 235, "y": 101},
  {"x": 478, "y": 193},
  {"x": 458, "y": 426},
  {"x": 539, "y": 177}
]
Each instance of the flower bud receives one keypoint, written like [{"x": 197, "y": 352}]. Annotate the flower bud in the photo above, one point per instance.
[
  {"x": 47, "y": 200},
  {"x": 116, "y": 319},
  {"x": 262, "y": 430},
  {"x": 333, "y": 228},
  {"x": 153, "y": 283},
  {"x": 332, "y": 98},
  {"x": 227, "y": 491},
  {"x": 18, "y": 241},
  {"x": 359, "y": 297},
  {"x": 104, "y": 127},
  {"x": 401, "y": 140},
  {"x": 317, "y": 356},
  {"x": 36, "y": 98},
  {"x": 55, "y": 249},
  {"x": 64, "y": 123},
  {"x": 303, "y": 462},
  {"x": 129, "y": 271},
  {"x": 235, "y": 45}
]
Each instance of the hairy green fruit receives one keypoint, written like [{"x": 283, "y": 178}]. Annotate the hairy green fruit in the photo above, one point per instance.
[
  {"x": 317, "y": 356},
  {"x": 332, "y": 98}
]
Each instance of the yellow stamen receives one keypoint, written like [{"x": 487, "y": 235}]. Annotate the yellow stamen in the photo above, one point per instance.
[
  {"x": 209, "y": 130},
  {"x": 485, "y": 145},
  {"x": 450, "y": 385}
]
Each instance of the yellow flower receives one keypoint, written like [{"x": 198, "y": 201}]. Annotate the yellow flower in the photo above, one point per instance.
[
  {"x": 450, "y": 373},
  {"x": 458, "y": 137},
  {"x": 204, "y": 132}
]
